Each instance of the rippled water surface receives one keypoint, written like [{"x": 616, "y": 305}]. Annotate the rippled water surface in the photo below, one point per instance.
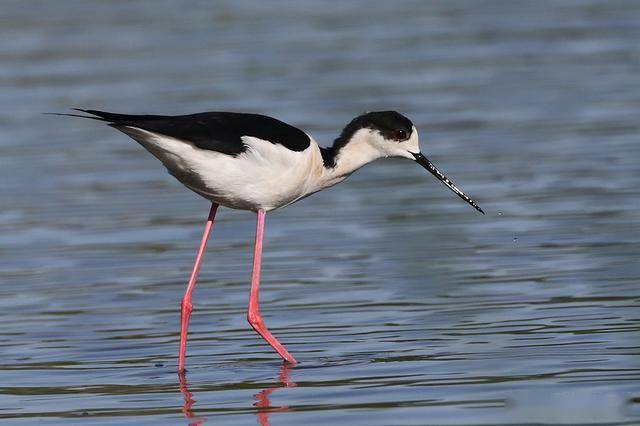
[{"x": 403, "y": 305}]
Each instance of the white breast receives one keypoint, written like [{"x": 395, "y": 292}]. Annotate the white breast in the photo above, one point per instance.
[{"x": 266, "y": 176}]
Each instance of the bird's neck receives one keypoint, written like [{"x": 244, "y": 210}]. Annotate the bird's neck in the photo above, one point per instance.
[{"x": 345, "y": 157}]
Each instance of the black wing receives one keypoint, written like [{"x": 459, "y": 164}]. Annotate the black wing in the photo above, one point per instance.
[{"x": 214, "y": 131}]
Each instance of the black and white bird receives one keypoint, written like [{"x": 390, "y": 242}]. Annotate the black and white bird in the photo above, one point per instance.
[{"x": 258, "y": 163}]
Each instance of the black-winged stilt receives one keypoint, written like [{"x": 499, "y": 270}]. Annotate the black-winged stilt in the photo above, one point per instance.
[{"x": 258, "y": 163}]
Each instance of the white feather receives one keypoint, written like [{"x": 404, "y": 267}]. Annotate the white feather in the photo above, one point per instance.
[{"x": 267, "y": 175}]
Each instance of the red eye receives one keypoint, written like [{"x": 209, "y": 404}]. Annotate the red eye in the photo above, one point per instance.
[{"x": 401, "y": 134}]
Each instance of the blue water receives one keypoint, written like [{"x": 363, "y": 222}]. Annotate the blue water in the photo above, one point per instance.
[{"x": 403, "y": 305}]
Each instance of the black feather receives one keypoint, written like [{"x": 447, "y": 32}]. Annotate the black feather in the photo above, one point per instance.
[{"x": 215, "y": 131}]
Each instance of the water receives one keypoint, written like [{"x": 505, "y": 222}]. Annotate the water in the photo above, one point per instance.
[{"x": 403, "y": 304}]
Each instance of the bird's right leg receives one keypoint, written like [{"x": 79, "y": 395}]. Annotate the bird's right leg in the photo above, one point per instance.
[
  {"x": 253, "y": 315},
  {"x": 186, "y": 306}
]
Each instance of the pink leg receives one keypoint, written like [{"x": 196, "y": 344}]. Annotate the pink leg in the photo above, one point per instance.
[
  {"x": 186, "y": 306},
  {"x": 253, "y": 315}
]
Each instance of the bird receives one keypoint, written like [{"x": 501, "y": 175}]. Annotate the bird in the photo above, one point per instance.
[{"x": 258, "y": 163}]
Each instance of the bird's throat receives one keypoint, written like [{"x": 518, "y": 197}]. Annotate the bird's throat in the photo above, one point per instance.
[{"x": 340, "y": 162}]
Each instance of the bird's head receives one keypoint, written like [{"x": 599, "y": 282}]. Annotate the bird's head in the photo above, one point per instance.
[{"x": 382, "y": 134}]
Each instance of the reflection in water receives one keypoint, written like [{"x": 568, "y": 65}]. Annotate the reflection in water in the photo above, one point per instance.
[
  {"x": 188, "y": 402},
  {"x": 262, "y": 397}
]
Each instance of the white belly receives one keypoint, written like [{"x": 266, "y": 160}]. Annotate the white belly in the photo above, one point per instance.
[{"x": 266, "y": 176}]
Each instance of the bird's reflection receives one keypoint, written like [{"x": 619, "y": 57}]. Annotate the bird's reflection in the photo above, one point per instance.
[
  {"x": 194, "y": 420},
  {"x": 262, "y": 398}
]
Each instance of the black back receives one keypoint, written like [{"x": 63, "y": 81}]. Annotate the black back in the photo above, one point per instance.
[{"x": 215, "y": 131}]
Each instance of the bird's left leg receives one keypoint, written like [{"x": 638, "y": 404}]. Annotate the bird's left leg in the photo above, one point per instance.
[
  {"x": 186, "y": 306},
  {"x": 253, "y": 315}
]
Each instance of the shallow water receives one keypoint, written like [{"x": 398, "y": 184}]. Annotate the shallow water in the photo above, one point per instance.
[{"x": 402, "y": 304}]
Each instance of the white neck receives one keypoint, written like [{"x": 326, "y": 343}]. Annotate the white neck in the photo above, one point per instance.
[{"x": 355, "y": 154}]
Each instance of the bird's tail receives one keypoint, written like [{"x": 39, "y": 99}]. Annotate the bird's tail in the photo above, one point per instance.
[
  {"x": 95, "y": 115},
  {"x": 110, "y": 117}
]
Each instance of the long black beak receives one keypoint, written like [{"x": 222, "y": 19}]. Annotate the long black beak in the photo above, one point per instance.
[{"x": 424, "y": 162}]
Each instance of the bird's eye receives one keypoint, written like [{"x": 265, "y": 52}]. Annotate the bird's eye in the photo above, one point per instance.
[{"x": 400, "y": 134}]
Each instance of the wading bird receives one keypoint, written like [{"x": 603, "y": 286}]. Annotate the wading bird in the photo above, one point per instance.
[{"x": 258, "y": 163}]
